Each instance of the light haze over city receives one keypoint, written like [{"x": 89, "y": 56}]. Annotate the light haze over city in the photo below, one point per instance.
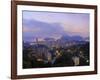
[{"x": 42, "y": 25}]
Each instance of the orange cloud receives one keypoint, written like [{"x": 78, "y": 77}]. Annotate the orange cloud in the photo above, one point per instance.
[
  {"x": 79, "y": 29},
  {"x": 26, "y": 29}
]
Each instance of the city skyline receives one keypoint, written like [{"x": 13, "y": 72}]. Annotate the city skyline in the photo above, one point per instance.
[{"x": 54, "y": 25}]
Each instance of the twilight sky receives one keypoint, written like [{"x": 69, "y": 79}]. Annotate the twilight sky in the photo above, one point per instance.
[{"x": 54, "y": 25}]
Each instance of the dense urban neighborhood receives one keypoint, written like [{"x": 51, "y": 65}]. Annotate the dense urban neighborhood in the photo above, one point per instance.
[{"x": 50, "y": 52}]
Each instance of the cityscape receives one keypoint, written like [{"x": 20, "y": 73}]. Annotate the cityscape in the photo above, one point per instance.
[{"x": 55, "y": 39}]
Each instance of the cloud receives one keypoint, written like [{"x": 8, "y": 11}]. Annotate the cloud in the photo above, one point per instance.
[
  {"x": 33, "y": 28},
  {"x": 26, "y": 29},
  {"x": 76, "y": 29}
]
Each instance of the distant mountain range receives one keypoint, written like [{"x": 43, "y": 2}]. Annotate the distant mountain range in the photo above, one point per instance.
[
  {"x": 69, "y": 38},
  {"x": 64, "y": 38},
  {"x": 72, "y": 38}
]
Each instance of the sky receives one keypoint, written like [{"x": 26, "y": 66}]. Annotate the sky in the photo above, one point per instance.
[{"x": 37, "y": 24}]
